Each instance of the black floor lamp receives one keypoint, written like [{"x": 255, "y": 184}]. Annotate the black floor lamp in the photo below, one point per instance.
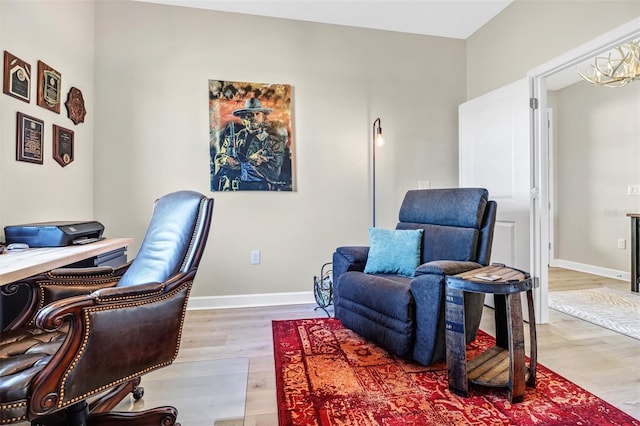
[{"x": 377, "y": 141}]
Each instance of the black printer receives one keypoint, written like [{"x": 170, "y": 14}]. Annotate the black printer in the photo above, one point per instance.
[{"x": 54, "y": 234}]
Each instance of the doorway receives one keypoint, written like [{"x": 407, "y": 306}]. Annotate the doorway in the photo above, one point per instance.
[{"x": 543, "y": 189}]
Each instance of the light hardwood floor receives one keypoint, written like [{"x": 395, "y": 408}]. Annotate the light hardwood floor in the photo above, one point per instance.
[
  {"x": 603, "y": 362},
  {"x": 565, "y": 279}
]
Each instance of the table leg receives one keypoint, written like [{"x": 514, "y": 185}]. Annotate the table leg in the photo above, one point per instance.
[
  {"x": 456, "y": 342},
  {"x": 533, "y": 352},
  {"x": 500, "y": 313},
  {"x": 517, "y": 367}
]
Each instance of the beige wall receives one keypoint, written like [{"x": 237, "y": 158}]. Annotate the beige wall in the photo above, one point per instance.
[
  {"x": 153, "y": 64},
  {"x": 529, "y": 33},
  {"x": 61, "y": 35},
  {"x": 146, "y": 95},
  {"x": 597, "y": 156}
]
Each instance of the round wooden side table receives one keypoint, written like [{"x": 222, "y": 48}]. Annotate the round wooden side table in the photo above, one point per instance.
[{"x": 504, "y": 364}]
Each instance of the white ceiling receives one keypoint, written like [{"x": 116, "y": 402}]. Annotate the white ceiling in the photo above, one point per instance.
[{"x": 445, "y": 18}]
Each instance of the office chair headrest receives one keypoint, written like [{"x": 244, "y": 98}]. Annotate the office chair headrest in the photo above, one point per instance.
[{"x": 165, "y": 247}]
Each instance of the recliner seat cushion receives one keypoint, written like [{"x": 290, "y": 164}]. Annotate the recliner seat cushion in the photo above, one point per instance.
[
  {"x": 389, "y": 297},
  {"x": 382, "y": 313}
]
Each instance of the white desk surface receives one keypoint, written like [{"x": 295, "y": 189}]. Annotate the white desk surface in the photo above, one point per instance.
[{"x": 18, "y": 265}]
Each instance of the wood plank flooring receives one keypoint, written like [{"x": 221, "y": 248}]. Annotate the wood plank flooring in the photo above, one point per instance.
[
  {"x": 245, "y": 332},
  {"x": 565, "y": 279}
]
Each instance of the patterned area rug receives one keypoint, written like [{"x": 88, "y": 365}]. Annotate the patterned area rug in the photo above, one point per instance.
[
  {"x": 613, "y": 309},
  {"x": 327, "y": 375}
]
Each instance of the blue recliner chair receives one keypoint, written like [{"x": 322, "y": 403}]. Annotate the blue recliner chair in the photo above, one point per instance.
[{"x": 405, "y": 315}]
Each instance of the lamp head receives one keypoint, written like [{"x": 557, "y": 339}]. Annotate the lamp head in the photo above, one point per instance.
[{"x": 378, "y": 139}]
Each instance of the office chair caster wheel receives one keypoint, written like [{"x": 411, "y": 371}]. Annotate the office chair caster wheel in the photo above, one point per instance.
[{"x": 137, "y": 392}]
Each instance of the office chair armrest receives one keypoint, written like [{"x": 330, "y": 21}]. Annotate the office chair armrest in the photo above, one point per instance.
[
  {"x": 59, "y": 284},
  {"x": 110, "y": 341},
  {"x": 81, "y": 272},
  {"x": 74, "y": 274},
  {"x": 68, "y": 282},
  {"x": 109, "y": 295}
]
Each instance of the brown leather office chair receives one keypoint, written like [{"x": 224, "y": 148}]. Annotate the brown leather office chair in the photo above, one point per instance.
[{"x": 87, "y": 336}]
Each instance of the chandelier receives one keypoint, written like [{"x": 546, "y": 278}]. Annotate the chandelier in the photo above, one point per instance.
[{"x": 619, "y": 68}]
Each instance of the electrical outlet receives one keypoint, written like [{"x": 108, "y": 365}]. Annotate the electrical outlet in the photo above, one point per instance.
[
  {"x": 633, "y": 190},
  {"x": 255, "y": 257},
  {"x": 424, "y": 184},
  {"x": 622, "y": 243}
]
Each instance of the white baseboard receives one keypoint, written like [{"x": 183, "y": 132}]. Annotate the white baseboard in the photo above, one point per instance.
[
  {"x": 250, "y": 300},
  {"x": 302, "y": 297},
  {"x": 590, "y": 269}
]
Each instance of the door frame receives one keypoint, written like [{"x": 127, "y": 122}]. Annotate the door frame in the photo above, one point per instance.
[
  {"x": 540, "y": 217},
  {"x": 550, "y": 183}
]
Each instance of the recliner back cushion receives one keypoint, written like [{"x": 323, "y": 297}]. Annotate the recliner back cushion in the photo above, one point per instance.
[
  {"x": 446, "y": 242},
  {"x": 462, "y": 207},
  {"x": 451, "y": 219},
  {"x": 167, "y": 239}
]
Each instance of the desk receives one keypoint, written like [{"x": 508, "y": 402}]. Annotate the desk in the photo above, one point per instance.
[
  {"x": 504, "y": 364},
  {"x": 15, "y": 266},
  {"x": 18, "y": 265},
  {"x": 635, "y": 251}
]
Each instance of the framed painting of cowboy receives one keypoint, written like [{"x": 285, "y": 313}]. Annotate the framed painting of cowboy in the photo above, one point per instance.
[{"x": 250, "y": 138}]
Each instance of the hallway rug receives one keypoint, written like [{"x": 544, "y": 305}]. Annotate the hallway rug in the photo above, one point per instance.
[
  {"x": 328, "y": 375},
  {"x": 616, "y": 310}
]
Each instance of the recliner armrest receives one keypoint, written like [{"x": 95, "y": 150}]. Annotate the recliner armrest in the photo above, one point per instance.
[
  {"x": 446, "y": 267},
  {"x": 354, "y": 254},
  {"x": 349, "y": 258}
]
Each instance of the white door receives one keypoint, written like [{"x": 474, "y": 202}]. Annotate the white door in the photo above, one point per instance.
[{"x": 494, "y": 153}]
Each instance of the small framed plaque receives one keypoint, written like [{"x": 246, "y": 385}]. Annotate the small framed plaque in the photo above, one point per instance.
[
  {"x": 75, "y": 106},
  {"x": 62, "y": 145},
  {"x": 17, "y": 78},
  {"x": 49, "y": 85},
  {"x": 29, "y": 139}
]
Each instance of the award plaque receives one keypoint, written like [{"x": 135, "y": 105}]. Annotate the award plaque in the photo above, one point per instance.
[
  {"x": 29, "y": 138},
  {"x": 75, "y": 106},
  {"x": 62, "y": 145},
  {"x": 49, "y": 84},
  {"x": 17, "y": 78}
]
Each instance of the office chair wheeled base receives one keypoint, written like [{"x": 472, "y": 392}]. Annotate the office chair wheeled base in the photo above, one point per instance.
[{"x": 78, "y": 415}]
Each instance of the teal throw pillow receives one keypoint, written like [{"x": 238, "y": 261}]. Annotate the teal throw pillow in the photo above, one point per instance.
[{"x": 394, "y": 251}]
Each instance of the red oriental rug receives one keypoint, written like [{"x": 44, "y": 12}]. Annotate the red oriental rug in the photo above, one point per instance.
[{"x": 328, "y": 375}]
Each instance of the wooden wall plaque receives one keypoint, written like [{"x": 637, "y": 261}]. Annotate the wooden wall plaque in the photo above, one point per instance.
[
  {"x": 62, "y": 145},
  {"x": 17, "y": 78},
  {"x": 49, "y": 87}
]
